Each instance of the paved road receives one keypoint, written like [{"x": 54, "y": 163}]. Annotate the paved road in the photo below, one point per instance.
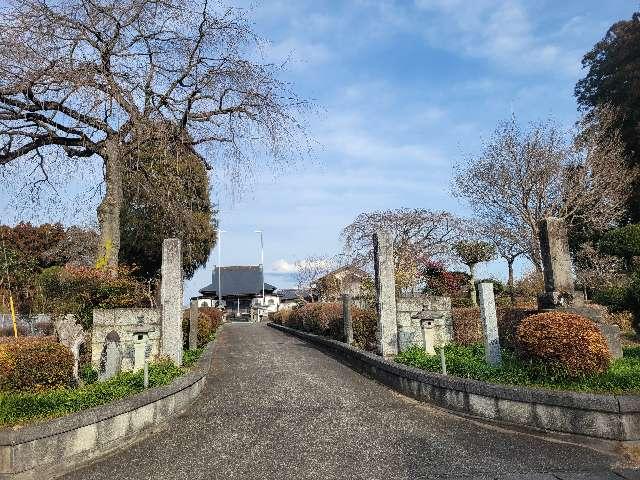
[{"x": 277, "y": 408}]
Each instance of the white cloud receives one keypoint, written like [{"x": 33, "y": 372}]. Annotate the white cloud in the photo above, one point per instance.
[
  {"x": 283, "y": 266},
  {"x": 501, "y": 31}
]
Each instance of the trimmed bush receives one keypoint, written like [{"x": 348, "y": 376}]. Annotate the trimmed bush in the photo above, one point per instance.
[
  {"x": 326, "y": 319},
  {"x": 570, "y": 341},
  {"x": 467, "y": 327},
  {"x": 209, "y": 319},
  {"x": 622, "y": 242},
  {"x": 31, "y": 364}
]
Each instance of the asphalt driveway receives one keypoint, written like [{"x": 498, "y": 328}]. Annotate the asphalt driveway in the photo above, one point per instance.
[{"x": 275, "y": 407}]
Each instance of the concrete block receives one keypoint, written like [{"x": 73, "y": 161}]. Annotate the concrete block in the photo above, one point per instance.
[{"x": 486, "y": 407}]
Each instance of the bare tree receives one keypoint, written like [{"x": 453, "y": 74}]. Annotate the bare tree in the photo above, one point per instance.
[
  {"x": 310, "y": 270},
  {"x": 471, "y": 253},
  {"x": 102, "y": 79},
  {"x": 417, "y": 233},
  {"x": 521, "y": 177},
  {"x": 509, "y": 245}
]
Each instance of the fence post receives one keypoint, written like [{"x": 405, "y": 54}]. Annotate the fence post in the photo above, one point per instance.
[{"x": 346, "y": 316}]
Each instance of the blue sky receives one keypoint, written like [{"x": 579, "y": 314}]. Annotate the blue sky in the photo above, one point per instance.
[{"x": 404, "y": 89}]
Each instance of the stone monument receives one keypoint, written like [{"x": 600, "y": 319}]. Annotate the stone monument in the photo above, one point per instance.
[
  {"x": 559, "y": 290},
  {"x": 346, "y": 318},
  {"x": 171, "y": 300},
  {"x": 385, "y": 293},
  {"x": 71, "y": 335},
  {"x": 489, "y": 323}
]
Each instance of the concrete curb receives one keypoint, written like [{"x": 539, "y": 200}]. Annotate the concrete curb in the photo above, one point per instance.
[
  {"x": 612, "y": 417},
  {"x": 53, "y": 447}
]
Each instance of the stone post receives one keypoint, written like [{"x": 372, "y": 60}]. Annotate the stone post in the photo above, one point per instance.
[
  {"x": 385, "y": 293},
  {"x": 193, "y": 325},
  {"x": 427, "y": 337},
  {"x": 489, "y": 323},
  {"x": 171, "y": 299},
  {"x": 346, "y": 318},
  {"x": 559, "y": 290}
]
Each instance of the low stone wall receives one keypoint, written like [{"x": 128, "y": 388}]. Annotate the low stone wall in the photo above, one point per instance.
[
  {"x": 613, "y": 417},
  {"x": 53, "y": 447}
]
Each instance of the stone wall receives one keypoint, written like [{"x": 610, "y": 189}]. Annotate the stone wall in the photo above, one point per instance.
[
  {"x": 127, "y": 323},
  {"x": 409, "y": 328}
]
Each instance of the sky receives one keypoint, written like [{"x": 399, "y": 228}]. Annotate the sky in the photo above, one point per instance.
[{"x": 402, "y": 90}]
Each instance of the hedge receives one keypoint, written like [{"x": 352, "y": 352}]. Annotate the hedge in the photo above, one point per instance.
[
  {"x": 29, "y": 364},
  {"x": 467, "y": 327},
  {"x": 209, "y": 319},
  {"x": 326, "y": 319}
]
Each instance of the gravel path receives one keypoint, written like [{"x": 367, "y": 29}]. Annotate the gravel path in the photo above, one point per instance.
[{"x": 275, "y": 407}]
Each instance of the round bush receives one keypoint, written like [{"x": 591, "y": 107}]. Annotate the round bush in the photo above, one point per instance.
[
  {"x": 568, "y": 340},
  {"x": 34, "y": 364}
]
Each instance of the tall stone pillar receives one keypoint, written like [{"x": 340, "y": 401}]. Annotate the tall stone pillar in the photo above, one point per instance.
[
  {"x": 559, "y": 290},
  {"x": 171, "y": 299},
  {"x": 346, "y": 319},
  {"x": 489, "y": 323},
  {"x": 385, "y": 293}
]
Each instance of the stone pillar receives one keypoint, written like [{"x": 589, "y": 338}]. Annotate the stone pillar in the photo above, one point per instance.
[
  {"x": 346, "y": 319},
  {"x": 171, "y": 300},
  {"x": 559, "y": 290},
  {"x": 489, "y": 323},
  {"x": 385, "y": 293},
  {"x": 193, "y": 325}
]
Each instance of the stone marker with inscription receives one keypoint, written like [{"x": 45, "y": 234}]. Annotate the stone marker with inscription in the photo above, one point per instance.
[
  {"x": 559, "y": 291},
  {"x": 489, "y": 320},
  {"x": 171, "y": 299},
  {"x": 385, "y": 293}
]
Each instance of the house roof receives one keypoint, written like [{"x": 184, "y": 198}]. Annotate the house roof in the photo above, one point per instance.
[
  {"x": 292, "y": 293},
  {"x": 238, "y": 281},
  {"x": 352, "y": 270}
]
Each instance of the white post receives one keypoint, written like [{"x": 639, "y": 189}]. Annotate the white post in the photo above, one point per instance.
[
  {"x": 261, "y": 261},
  {"x": 489, "y": 323}
]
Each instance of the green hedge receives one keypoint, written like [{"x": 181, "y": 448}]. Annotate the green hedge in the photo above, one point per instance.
[{"x": 18, "y": 407}]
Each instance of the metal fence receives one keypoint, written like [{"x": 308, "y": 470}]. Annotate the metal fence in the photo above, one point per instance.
[{"x": 40, "y": 324}]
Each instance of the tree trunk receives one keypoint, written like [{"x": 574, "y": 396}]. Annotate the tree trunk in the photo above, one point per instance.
[
  {"x": 512, "y": 294},
  {"x": 472, "y": 285},
  {"x": 109, "y": 209}
]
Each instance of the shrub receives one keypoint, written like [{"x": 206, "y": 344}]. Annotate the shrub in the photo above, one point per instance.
[
  {"x": 622, "y": 242},
  {"x": 326, "y": 319},
  {"x": 614, "y": 297},
  {"x": 209, "y": 319},
  {"x": 570, "y": 341},
  {"x": 19, "y": 407},
  {"x": 34, "y": 364},
  {"x": 79, "y": 290},
  {"x": 467, "y": 327},
  {"x": 365, "y": 326}
]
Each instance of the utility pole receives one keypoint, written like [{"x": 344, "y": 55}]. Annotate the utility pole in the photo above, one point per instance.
[
  {"x": 220, "y": 232},
  {"x": 261, "y": 262}
]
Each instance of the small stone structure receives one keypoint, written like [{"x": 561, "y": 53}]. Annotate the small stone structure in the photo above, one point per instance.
[
  {"x": 489, "y": 320},
  {"x": 413, "y": 311},
  {"x": 559, "y": 291},
  {"x": 133, "y": 333},
  {"x": 71, "y": 335},
  {"x": 385, "y": 293},
  {"x": 171, "y": 300}
]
